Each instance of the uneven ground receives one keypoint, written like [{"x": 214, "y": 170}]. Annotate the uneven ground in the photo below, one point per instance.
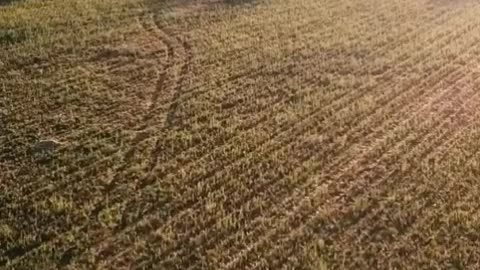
[{"x": 211, "y": 134}]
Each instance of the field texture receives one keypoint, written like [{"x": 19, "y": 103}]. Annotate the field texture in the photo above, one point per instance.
[{"x": 222, "y": 134}]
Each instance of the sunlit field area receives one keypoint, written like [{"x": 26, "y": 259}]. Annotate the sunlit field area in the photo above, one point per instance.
[{"x": 239, "y": 134}]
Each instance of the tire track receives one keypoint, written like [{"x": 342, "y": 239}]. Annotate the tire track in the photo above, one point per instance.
[
  {"x": 72, "y": 80},
  {"x": 351, "y": 99},
  {"x": 160, "y": 83},
  {"x": 253, "y": 225},
  {"x": 310, "y": 24},
  {"x": 425, "y": 27},
  {"x": 38, "y": 191}
]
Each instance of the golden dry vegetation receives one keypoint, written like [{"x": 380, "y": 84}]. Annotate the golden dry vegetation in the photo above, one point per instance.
[{"x": 222, "y": 134}]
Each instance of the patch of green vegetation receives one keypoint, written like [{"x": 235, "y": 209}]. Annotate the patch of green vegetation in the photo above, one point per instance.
[
  {"x": 58, "y": 205},
  {"x": 11, "y": 37},
  {"x": 6, "y": 231},
  {"x": 110, "y": 216}
]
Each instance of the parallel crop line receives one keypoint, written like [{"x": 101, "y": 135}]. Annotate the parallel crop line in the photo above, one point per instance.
[{"x": 302, "y": 219}]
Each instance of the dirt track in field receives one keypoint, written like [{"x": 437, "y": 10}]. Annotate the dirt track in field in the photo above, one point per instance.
[{"x": 262, "y": 135}]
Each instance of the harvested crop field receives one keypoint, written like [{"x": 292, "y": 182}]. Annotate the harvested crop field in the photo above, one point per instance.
[{"x": 222, "y": 134}]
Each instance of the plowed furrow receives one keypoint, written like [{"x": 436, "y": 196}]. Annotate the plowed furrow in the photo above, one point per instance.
[
  {"x": 430, "y": 206},
  {"x": 260, "y": 168},
  {"x": 278, "y": 193},
  {"x": 424, "y": 27},
  {"x": 439, "y": 149},
  {"x": 360, "y": 94},
  {"x": 386, "y": 47},
  {"x": 383, "y": 190},
  {"x": 298, "y": 214},
  {"x": 312, "y": 25}
]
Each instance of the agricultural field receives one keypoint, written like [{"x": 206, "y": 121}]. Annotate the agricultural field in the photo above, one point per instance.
[{"x": 247, "y": 134}]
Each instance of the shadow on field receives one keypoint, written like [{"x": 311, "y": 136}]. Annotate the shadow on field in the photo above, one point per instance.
[
  {"x": 7, "y": 2},
  {"x": 185, "y": 4},
  {"x": 240, "y": 2},
  {"x": 12, "y": 37},
  {"x": 450, "y": 3}
]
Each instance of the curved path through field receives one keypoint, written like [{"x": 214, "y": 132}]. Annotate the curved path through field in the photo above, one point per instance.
[{"x": 262, "y": 135}]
